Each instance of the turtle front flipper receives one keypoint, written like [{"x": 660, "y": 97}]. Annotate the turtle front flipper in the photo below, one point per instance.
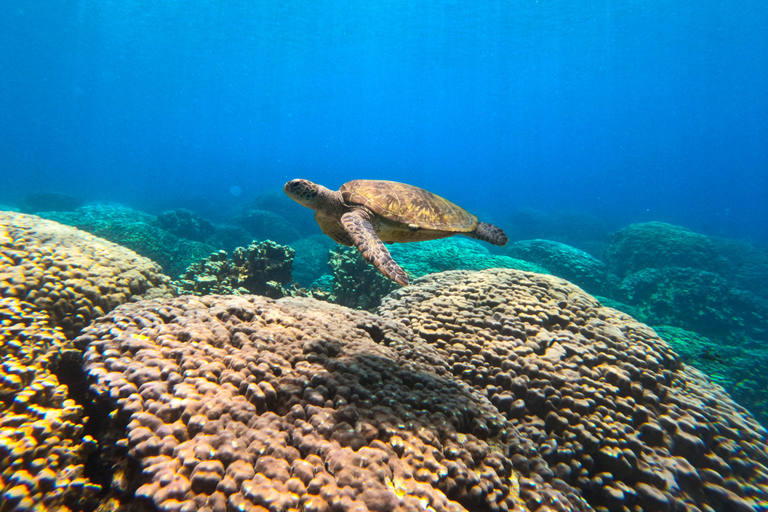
[{"x": 372, "y": 248}]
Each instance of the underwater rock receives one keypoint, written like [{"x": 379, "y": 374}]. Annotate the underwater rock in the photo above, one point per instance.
[
  {"x": 564, "y": 261},
  {"x": 36, "y": 202},
  {"x": 601, "y": 403},
  {"x": 137, "y": 231},
  {"x": 264, "y": 225},
  {"x": 186, "y": 224},
  {"x": 658, "y": 245},
  {"x": 43, "y": 449},
  {"x": 71, "y": 275},
  {"x": 697, "y": 300},
  {"x": 295, "y": 404}
]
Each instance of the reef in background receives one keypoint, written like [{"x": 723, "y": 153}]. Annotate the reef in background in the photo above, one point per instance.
[{"x": 263, "y": 268}]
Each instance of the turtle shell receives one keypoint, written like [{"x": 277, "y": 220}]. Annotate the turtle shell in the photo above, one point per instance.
[{"x": 407, "y": 205}]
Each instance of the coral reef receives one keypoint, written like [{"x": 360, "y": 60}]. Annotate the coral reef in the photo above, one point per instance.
[
  {"x": 54, "y": 279},
  {"x": 356, "y": 284},
  {"x": 42, "y": 446},
  {"x": 136, "y": 231},
  {"x": 245, "y": 403},
  {"x": 186, "y": 224},
  {"x": 621, "y": 306},
  {"x": 564, "y": 261},
  {"x": 696, "y": 300},
  {"x": 262, "y": 268},
  {"x": 740, "y": 370},
  {"x": 72, "y": 275},
  {"x": 486, "y": 391},
  {"x": 95, "y": 216},
  {"x": 600, "y": 401},
  {"x": 744, "y": 264},
  {"x": 264, "y": 262},
  {"x": 715, "y": 289},
  {"x": 658, "y": 245},
  {"x": 216, "y": 274},
  {"x": 458, "y": 253}
]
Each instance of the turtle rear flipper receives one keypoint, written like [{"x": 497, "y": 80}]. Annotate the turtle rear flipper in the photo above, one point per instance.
[
  {"x": 488, "y": 233},
  {"x": 372, "y": 248}
]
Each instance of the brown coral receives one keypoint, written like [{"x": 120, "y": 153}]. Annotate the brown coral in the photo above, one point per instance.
[
  {"x": 72, "y": 275},
  {"x": 600, "y": 401},
  {"x": 42, "y": 447},
  {"x": 246, "y": 403}
]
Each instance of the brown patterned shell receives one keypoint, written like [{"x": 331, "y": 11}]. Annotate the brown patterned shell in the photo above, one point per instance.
[{"x": 407, "y": 204}]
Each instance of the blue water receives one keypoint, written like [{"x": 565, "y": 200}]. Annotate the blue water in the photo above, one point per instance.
[{"x": 629, "y": 110}]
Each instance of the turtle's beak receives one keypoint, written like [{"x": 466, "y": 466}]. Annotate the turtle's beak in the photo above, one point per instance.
[{"x": 292, "y": 185}]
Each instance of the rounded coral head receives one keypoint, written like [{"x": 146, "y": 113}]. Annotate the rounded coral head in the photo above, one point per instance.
[{"x": 303, "y": 192}]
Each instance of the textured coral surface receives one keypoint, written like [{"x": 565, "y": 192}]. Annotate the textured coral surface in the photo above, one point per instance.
[
  {"x": 42, "y": 447},
  {"x": 492, "y": 390},
  {"x": 601, "y": 402},
  {"x": 244, "y": 402},
  {"x": 261, "y": 268},
  {"x": 482, "y": 391},
  {"x": 72, "y": 275}
]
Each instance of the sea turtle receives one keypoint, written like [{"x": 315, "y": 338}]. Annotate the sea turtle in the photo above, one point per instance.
[{"x": 365, "y": 213}]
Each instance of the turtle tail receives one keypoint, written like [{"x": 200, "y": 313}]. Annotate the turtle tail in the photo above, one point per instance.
[{"x": 489, "y": 233}]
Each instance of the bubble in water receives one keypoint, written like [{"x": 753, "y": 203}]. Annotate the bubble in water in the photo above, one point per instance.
[{"x": 235, "y": 190}]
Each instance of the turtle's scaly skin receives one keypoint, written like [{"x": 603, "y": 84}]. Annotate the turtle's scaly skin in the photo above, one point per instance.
[{"x": 366, "y": 213}]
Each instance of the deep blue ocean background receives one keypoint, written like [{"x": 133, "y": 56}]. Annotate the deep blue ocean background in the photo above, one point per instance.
[{"x": 628, "y": 110}]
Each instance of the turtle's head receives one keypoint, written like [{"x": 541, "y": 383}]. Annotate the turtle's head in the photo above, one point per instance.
[{"x": 303, "y": 192}]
